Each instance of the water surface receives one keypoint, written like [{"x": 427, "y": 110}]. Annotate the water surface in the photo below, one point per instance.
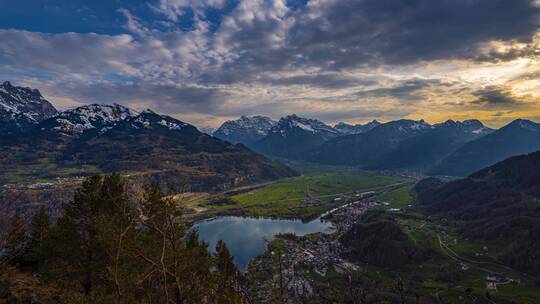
[{"x": 245, "y": 237}]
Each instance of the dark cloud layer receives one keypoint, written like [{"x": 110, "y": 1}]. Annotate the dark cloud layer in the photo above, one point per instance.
[
  {"x": 325, "y": 81},
  {"x": 352, "y": 33},
  {"x": 495, "y": 95},
  {"x": 406, "y": 90},
  {"x": 162, "y": 98},
  {"x": 339, "y": 35},
  {"x": 278, "y": 56}
]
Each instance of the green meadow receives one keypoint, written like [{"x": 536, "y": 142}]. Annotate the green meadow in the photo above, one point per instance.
[{"x": 307, "y": 195}]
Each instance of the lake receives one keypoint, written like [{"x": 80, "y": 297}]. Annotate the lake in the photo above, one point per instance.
[{"x": 245, "y": 236}]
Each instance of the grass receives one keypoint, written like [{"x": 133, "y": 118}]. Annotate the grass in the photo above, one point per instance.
[
  {"x": 474, "y": 278},
  {"x": 44, "y": 171},
  {"x": 532, "y": 202},
  {"x": 287, "y": 198},
  {"x": 399, "y": 198}
]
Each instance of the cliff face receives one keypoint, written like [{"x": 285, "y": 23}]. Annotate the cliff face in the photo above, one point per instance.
[{"x": 22, "y": 108}]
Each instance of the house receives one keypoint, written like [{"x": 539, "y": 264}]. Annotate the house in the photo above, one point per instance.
[{"x": 491, "y": 282}]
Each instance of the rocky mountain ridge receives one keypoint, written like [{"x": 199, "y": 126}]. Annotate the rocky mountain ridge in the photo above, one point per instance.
[{"x": 21, "y": 108}]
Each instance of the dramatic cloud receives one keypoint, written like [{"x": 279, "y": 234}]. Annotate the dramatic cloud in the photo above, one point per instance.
[
  {"x": 495, "y": 96},
  {"x": 209, "y": 60},
  {"x": 412, "y": 89}
]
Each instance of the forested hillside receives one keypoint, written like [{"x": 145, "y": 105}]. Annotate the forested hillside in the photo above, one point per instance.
[
  {"x": 109, "y": 248},
  {"x": 499, "y": 204}
]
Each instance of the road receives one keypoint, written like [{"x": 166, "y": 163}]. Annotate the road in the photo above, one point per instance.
[{"x": 461, "y": 259}]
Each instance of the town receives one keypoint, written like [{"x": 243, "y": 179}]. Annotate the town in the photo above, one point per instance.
[{"x": 292, "y": 260}]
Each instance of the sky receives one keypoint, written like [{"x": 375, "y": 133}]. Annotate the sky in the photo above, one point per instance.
[{"x": 206, "y": 61}]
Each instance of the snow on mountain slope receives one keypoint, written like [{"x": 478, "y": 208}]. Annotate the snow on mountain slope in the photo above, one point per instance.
[
  {"x": 21, "y": 108},
  {"x": 246, "y": 130},
  {"x": 289, "y": 123},
  {"x": 149, "y": 119},
  {"x": 348, "y": 129},
  {"x": 76, "y": 121},
  {"x": 473, "y": 126}
]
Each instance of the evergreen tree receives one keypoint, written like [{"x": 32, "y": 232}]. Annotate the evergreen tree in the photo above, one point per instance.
[
  {"x": 105, "y": 248},
  {"x": 39, "y": 241},
  {"x": 116, "y": 231},
  {"x": 225, "y": 261},
  {"x": 15, "y": 243},
  {"x": 85, "y": 234},
  {"x": 227, "y": 275},
  {"x": 79, "y": 253},
  {"x": 176, "y": 263}
]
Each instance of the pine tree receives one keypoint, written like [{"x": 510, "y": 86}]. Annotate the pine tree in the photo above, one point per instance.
[
  {"x": 225, "y": 263},
  {"x": 116, "y": 230},
  {"x": 38, "y": 251},
  {"x": 86, "y": 236},
  {"x": 227, "y": 275},
  {"x": 107, "y": 249},
  {"x": 80, "y": 256},
  {"x": 15, "y": 243},
  {"x": 175, "y": 261}
]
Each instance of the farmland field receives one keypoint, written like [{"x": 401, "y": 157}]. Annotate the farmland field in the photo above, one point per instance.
[{"x": 305, "y": 196}]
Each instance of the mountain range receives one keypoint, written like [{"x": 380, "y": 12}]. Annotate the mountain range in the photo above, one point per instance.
[
  {"x": 420, "y": 152},
  {"x": 152, "y": 148},
  {"x": 36, "y": 135},
  {"x": 450, "y": 148},
  {"x": 365, "y": 149},
  {"x": 518, "y": 137},
  {"x": 293, "y": 136}
]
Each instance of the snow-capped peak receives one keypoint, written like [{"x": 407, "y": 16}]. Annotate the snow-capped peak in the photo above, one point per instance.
[
  {"x": 149, "y": 119},
  {"x": 306, "y": 124},
  {"x": 349, "y": 129},
  {"x": 471, "y": 125},
  {"x": 406, "y": 125},
  {"x": 258, "y": 125},
  {"x": 207, "y": 130},
  {"x": 105, "y": 112},
  {"x": 21, "y": 105},
  {"x": 75, "y": 121}
]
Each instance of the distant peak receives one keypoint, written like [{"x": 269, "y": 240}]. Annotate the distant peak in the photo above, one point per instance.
[
  {"x": 342, "y": 124},
  {"x": 348, "y": 129},
  {"x": 521, "y": 120},
  {"x": 148, "y": 111},
  {"x": 251, "y": 118},
  {"x": 472, "y": 121},
  {"x": 525, "y": 124},
  {"x": 24, "y": 106},
  {"x": 102, "y": 107},
  {"x": 293, "y": 116}
]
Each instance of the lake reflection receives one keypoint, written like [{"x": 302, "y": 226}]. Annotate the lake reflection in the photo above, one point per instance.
[{"x": 245, "y": 237}]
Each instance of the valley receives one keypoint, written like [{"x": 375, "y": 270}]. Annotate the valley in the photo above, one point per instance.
[
  {"x": 306, "y": 196},
  {"x": 452, "y": 268},
  {"x": 293, "y": 211},
  {"x": 270, "y": 152}
]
